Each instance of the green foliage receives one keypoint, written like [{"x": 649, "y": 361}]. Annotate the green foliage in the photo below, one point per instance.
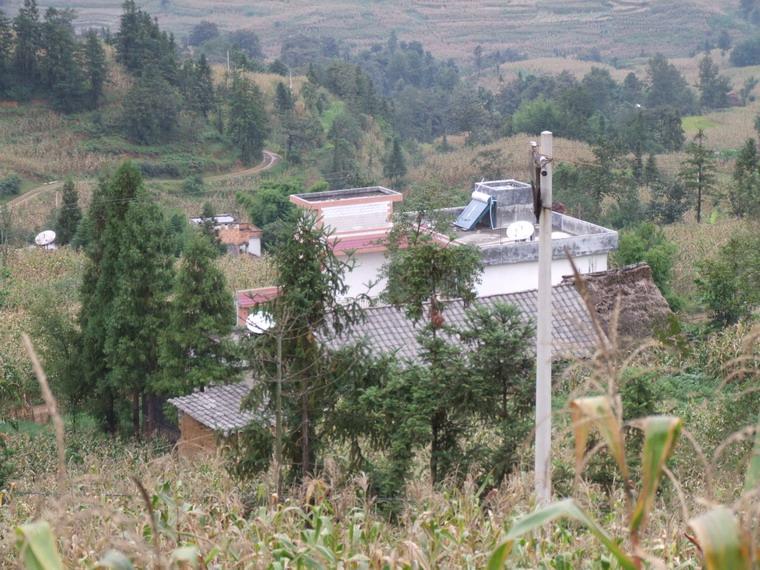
[
  {"x": 426, "y": 271},
  {"x": 713, "y": 87},
  {"x": 729, "y": 284},
  {"x": 311, "y": 304},
  {"x": 646, "y": 242},
  {"x": 394, "y": 166},
  {"x": 270, "y": 208},
  {"x": 746, "y": 53},
  {"x": 248, "y": 125},
  {"x": 744, "y": 192},
  {"x": 151, "y": 109},
  {"x": 10, "y": 185},
  {"x": 193, "y": 185},
  {"x": 698, "y": 171},
  {"x": 667, "y": 86},
  {"x": 37, "y": 547},
  {"x": 195, "y": 351},
  {"x": 142, "y": 46},
  {"x": 69, "y": 215}
]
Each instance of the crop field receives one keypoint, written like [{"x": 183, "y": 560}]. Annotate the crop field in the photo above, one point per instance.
[{"x": 452, "y": 28}]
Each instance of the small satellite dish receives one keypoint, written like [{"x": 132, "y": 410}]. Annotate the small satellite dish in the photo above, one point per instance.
[
  {"x": 259, "y": 322},
  {"x": 520, "y": 231},
  {"x": 45, "y": 238},
  {"x": 560, "y": 235}
]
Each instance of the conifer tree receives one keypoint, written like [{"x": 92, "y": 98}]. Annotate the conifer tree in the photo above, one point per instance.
[
  {"x": 713, "y": 87},
  {"x": 95, "y": 69},
  {"x": 6, "y": 54},
  {"x": 61, "y": 68},
  {"x": 69, "y": 215},
  {"x": 248, "y": 124},
  {"x": 698, "y": 171},
  {"x": 101, "y": 232},
  {"x": 151, "y": 109},
  {"x": 26, "y": 26},
  {"x": 194, "y": 349},
  {"x": 395, "y": 164},
  {"x": 139, "y": 311},
  {"x": 283, "y": 99}
]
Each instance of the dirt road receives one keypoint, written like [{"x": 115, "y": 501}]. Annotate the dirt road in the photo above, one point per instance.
[{"x": 270, "y": 159}]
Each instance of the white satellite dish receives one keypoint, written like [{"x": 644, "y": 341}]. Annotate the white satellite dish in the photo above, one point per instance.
[
  {"x": 520, "y": 231},
  {"x": 45, "y": 238},
  {"x": 259, "y": 322}
]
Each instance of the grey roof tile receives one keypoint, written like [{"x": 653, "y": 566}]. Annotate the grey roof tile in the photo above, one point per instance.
[
  {"x": 217, "y": 407},
  {"x": 386, "y": 329}
]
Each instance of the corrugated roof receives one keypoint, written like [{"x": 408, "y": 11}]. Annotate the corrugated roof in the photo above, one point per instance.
[
  {"x": 386, "y": 329},
  {"x": 217, "y": 407}
]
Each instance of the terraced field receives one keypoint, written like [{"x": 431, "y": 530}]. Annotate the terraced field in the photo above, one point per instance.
[{"x": 452, "y": 28}]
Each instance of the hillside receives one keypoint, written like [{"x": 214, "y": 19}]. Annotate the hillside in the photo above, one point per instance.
[{"x": 619, "y": 28}]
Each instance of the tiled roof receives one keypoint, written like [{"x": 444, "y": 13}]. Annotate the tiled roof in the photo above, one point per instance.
[
  {"x": 238, "y": 234},
  {"x": 217, "y": 407},
  {"x": 386, "y": 329}
]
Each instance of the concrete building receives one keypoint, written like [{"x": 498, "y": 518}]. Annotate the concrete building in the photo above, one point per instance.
[
  {"x": 500, "y": 222},
  {"x": 361, "y": 219},
  {"x": 237, "y": 237}
]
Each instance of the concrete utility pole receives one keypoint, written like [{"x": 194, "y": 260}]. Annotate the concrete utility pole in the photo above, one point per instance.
[{"x": 542, "y": 166}]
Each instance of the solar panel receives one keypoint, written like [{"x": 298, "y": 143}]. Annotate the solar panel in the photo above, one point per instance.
[{"x": 473, "y": 213}]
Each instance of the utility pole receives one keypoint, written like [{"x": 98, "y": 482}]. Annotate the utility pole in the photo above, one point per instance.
[
  {"x": 542, "y": 187},
  {"x": 278, "y": 417}
]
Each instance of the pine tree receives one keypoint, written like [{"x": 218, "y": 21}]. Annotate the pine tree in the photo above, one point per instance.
[
  {"x": 26, "y": 26},
  {"x": 195, "y": 351},
  {"x": 698, "y": 171},
  {"x": 248, "y": 124},
  {"x": 204, "y": 87},
  {"x": 394, "y": 167},
  {"x": 69, "y": 215},
  {"x": 95, "y": 68},
  {"x": 6, "y": 55},
  {"x": 102, "y": 232},
  {"x": 139, "y": 312},
  {"x": 713, "y": 87},
  {"x": 744, "y": 192},
  {"x": 151, "y": 109},
  {"x": 61, "y": 69},
  {"x": 283, "y": 99}
]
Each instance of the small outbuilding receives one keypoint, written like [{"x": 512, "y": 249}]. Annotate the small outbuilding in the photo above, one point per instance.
[{"x": 208, "y": 415}]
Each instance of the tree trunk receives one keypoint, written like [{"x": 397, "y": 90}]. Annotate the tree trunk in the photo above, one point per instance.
[
  {"x": 305, "y": 443},
  {"x": 136, "y": 414}
]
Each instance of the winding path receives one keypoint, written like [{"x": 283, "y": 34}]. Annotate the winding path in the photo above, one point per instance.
[{"x": 269, "y": 161}]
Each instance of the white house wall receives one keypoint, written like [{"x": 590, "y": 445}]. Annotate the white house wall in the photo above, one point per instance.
[
  {"x": 366, "y": 270},
  {"x": 513, "y": 277}
]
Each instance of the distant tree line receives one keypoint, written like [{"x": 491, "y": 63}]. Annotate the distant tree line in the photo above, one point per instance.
[{"x": 43, "y": 57}]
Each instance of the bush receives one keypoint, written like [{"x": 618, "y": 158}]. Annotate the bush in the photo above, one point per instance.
[
  {"x": 730, "y": 283},
  {"x": 746, "y": 53},
  {"x": 646, "y": 242},
  {"x": 10, "y": 186},
  {"x": 193, "y": 185}
]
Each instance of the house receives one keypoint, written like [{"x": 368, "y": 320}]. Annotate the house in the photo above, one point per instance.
[
  {"x": 212, "y": 415},
  {"x": 207, "y": 415},
  {"x": 238, "y": 237},
  {"x": 241, "y": 238},
  {"x": 361, "y": 219},
  {"x": 499, "y": 221}
]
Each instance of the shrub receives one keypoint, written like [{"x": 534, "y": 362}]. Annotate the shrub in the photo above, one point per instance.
[
  {"x": 10, "y": 185},
  {"x": 746, "y": 53},
  {"x": 730, "y": 282}
]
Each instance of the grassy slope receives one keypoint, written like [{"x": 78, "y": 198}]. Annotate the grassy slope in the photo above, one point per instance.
[{"x": 455, "y": 27}]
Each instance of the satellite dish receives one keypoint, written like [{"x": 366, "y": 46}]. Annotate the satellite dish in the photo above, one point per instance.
[
  {"x": 259, "y": 322},
  {"x": 45, "y": 238},
  {"x": 520, "y": 231}
]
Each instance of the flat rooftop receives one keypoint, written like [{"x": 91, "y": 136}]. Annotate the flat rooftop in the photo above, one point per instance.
[{"x": 346, "y": 194}]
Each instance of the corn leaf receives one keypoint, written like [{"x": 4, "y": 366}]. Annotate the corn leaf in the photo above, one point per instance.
[
  {"x": 752, "y": 478},
  {"x": 499, "y": 556},
  {"x": 597, "y": 412},
  {"x": 720, "y": 538},
  {"x": 660, "y": 436},
  {"x": 561, "y": 509},
  {"x": 37, "y": 547}
]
